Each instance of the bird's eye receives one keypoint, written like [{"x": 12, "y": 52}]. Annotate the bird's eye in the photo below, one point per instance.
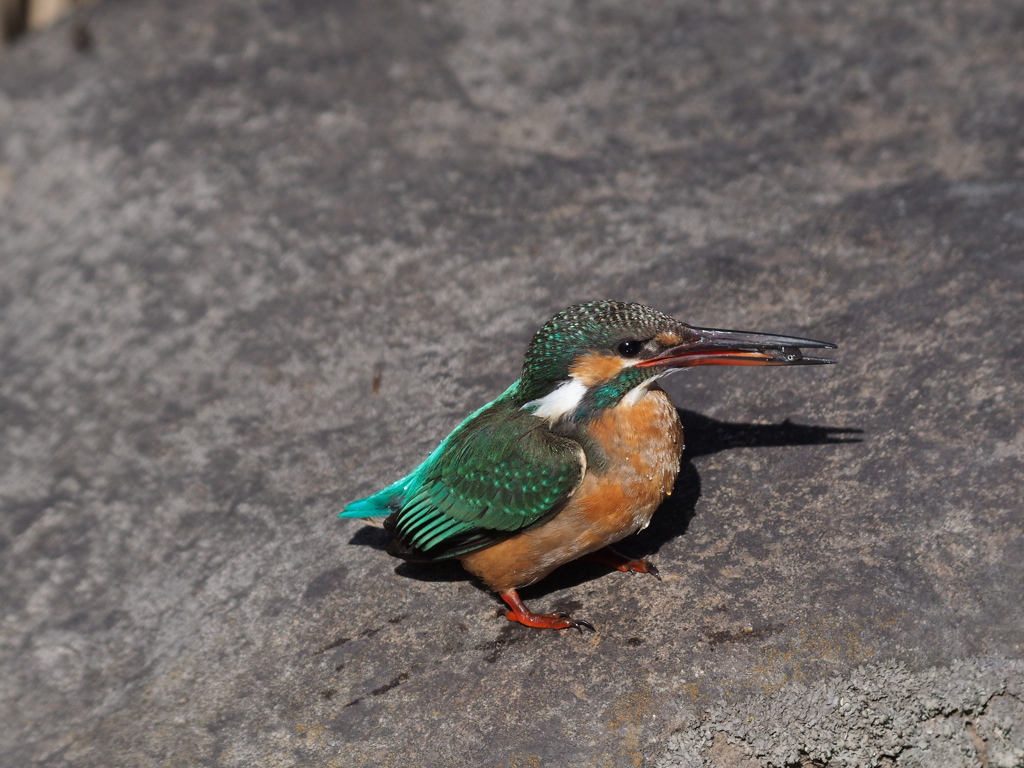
[{"x": 630, "y": 348}]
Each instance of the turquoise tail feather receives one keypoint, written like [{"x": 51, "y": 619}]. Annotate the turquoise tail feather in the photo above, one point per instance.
[
  {"x": 390, "y": 499},
  {"x": 380, "y": 504}
]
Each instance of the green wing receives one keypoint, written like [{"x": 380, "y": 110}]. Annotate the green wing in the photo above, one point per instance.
[{"x": 500, "y": 472}]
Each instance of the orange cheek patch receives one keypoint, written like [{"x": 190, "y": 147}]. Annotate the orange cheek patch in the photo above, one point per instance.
[
  {"x": 596, "y": 369},
  {"x": 668, "y": 338}
]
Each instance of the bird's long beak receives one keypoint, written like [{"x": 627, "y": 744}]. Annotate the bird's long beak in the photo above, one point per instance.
[{"x": 717, "y": 347}]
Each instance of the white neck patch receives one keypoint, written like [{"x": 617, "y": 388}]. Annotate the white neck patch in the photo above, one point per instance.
[
  {"x": 636, "y": 394},
  {"x": 559, "y": 402}
]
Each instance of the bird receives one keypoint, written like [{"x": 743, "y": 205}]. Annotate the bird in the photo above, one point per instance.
[{"x": 574, "y": 456}]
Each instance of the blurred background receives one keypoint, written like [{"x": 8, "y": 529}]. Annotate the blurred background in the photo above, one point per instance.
[{"x": 20, "y": 16}]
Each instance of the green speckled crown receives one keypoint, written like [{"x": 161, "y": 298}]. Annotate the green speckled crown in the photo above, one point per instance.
[{"x": 595, "y": 325}]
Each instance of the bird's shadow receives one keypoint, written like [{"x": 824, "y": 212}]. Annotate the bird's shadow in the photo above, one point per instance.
[{"x": 703, "y": 436}]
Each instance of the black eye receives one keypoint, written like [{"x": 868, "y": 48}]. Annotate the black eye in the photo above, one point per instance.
[{"x": 630, "y": 348}]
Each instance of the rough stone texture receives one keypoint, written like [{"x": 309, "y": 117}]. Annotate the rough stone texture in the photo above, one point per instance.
[
  {"x": 966, "y": 715},
  {"x": 256, "y": 258}
]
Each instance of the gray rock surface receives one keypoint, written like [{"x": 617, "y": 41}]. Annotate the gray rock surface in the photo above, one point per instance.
[
  {"x": 961, "y": 716},
  {"x": 256, "y": 258}
]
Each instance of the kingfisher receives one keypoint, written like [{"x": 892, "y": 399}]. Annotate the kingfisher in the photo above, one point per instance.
[{"x": 575, "y": 455}]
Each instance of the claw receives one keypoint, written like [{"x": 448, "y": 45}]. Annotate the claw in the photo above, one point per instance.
[
  {"x": 528, "y": 618},
  {"x": 619, "y": 561}
]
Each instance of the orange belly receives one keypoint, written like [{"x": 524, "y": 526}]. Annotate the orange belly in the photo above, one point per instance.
[{"x": 642, "y": 443}]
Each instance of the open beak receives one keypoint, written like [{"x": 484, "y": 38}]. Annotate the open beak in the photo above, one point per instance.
[{"x": 717, "y": 347}]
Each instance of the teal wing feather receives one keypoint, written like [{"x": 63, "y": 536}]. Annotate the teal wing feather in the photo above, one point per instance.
[
  {"x": 499, "y": 472},
  {"x": 388, "y": 500},
  {"x": 498, "y": 476}
]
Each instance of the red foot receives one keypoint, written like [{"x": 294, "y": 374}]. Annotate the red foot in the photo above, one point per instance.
[
  {"x": 619, "y": 561},
  {"x": 525, "y": 616}
]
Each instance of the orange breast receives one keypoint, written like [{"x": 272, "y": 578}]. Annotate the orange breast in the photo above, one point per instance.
[{"x": 642, "y": 444}]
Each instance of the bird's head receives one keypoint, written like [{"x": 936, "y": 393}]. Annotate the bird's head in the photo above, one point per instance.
[{"x": 593, "y": 356}]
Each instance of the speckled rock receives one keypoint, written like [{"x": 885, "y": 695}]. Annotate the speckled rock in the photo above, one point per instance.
[
  {"x": 257, "y": 258},
  {"x": 961, "y": 716}
]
